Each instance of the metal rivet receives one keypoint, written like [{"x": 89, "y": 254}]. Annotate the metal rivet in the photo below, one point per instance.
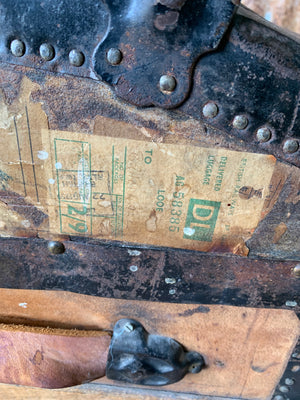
[
  {"x": 170, "y": 281},
  {"x": 289, "y": 381},
  {"x": 47, "y": 51},
  {"x": 240, "y": 122},
  {"x": 296, "y": 270},
  {"x": 278, "y": 397},
  {"x": 167, "y": 83},
  {"x": 291, "y": 303},
  {"x": 210, "y": 110},
  {"x": 17, "y": 48},
  {"x": 133, "y": 268},
  {"x": 114, "y": 56},
  {"x": 76, "y": 58},
  {"x": 263, "y": 134},
  {"x": 291, "y": 146},
  {"x": 129, "y": 327},
  {"x": 172, "y": 291},
  {"x": 56, "y": 247},
  {"x": 284, "y": 389}
]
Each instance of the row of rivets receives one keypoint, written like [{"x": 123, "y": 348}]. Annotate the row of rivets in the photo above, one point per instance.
[
  {"x": 167, "y": 83},
  {"x": 240, "y": 122},
  {"x": 47, "y": 52}
]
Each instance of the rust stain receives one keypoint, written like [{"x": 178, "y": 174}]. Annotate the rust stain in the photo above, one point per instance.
[
  {"x": 151, "y": 222},
  {"x": 167, "y": 21},
  {"x": 18, "y": 204}
]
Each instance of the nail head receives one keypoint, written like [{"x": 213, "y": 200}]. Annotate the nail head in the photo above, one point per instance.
[
  {"x": 56, "y": 247},
  {"x": 263, "y": 134},
  {"x": 47, "y": 51},
  {"x": 291, "y": 146},
  {"x": 167, "y": 83},
  {"x": 296, "y": 270},
  {"x": 210, "y": 110},
  {"x": 240, "y": 122},
  {"x": 76, "y": 58},
  {"x": 114, "y": 56},
  {"x": 17, "y": 48}
]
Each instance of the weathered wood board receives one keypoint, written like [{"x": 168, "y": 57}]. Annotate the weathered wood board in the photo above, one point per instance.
[
  {"x": 243, "y": 359},
  {"x": 284, "y": 13}
]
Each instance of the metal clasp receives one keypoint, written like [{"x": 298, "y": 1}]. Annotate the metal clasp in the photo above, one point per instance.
[{"x": 137, "y": 357}]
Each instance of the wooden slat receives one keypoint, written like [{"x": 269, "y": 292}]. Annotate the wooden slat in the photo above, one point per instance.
[
  {"x": 94, "y": 392},
  {"x": 246, "y": 350}
]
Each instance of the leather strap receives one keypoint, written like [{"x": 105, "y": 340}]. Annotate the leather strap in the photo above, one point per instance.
[{"x": 51, "y": 358}]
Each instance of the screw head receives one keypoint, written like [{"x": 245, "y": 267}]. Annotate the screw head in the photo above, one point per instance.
[
  {"x": 17, "y": 47},
  {"x": 296, "y": 270},
  {"x": 240, "y": 122},
  {"x": 129, "y": 327},
  {"x": 263, "y": 134},
  {"x": 56, "y": 247},
  {"x": 114, "y": 56},
  {"x": 210, "y": 110},
  {"x": 291, "y": 146},
  {"x": 76, "y": 58},
  {"x": 47, "y": 51},
  {"x": 167, "y": 83}
]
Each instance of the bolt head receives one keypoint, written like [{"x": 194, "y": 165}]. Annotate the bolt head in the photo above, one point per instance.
[
  {"x": 263, "y": 134},
  {"x": 114, "y": 56},
  {"x": 47, "y": 51},
  {"x": 210, "y": 110},
  {"x": 296, "y": 270},
  {"x": 56, "y": 247},
  {"x": 76, "y": 58},
  {"x": 17, "y": 47},
  {"x": 240, "y": 122},
  {"x": 291, "y": 146},
  {"x": 167, "y": 83}
]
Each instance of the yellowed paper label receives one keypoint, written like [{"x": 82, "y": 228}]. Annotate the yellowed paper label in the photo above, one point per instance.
[{"x": 155, "y": 193}]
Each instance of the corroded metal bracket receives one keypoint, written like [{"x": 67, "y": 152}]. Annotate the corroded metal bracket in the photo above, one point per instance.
[
  {"x": 158, "y": 39},
  {"x": 140, "y": 358}
]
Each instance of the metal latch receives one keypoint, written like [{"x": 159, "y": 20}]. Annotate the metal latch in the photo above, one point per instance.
[{"x": 137, "y": 357}]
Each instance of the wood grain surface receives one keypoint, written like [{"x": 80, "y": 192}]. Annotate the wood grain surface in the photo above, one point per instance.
[
  {"x": 285, "y": 13},
  {"x": 243, "y": 359},
  {"x": 51, "y": 358}
]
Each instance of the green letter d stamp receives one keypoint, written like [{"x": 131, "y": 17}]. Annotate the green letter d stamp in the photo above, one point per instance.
[{"x": 201, "y": 220}]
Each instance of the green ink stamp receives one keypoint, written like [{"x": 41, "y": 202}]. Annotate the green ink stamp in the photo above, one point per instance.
[{"x": 201, "y": 220}]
